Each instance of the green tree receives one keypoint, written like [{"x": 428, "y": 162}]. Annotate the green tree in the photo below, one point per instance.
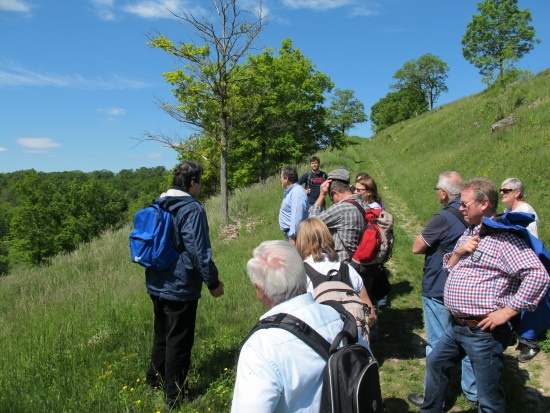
[
  {"x": 345, "y": 111},
  {"x": 426, "y": 74},
  {"x": 497, "y": 37},
  {"x": 283, "y": 96},
  {"x": 396, "y": 107},
  {"x": 205, "y": 84}
]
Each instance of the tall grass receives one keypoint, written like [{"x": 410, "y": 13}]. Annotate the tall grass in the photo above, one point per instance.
[{"x": 76, "y": 335}]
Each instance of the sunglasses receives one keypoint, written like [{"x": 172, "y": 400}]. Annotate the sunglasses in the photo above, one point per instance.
[
  {"x": 506, "y": 190},
  {"x": 466, "y": 205}
]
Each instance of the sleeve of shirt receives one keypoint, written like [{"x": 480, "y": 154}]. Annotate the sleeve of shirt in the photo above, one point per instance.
[
  {"x": 447, "y": 256},
  {"x": 196, "y": 241},
  {"x": 433, "y": 231},
  {"x": 258, "y": 387},
  {"x": 303, "y": 178},
  {"x": 331, "y": 217},
  {"x": 519, "y": 260},
  {"x": 355, "y": 278},
  {"x": 298, "y": 210}
]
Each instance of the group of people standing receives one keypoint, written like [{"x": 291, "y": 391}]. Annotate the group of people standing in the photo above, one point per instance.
[{"x": 472, "y": 287}]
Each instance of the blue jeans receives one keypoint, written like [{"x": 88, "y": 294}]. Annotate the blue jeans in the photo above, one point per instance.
[
  {"x": 436, "y": 320},
  {"x": 485, "y": 351}
]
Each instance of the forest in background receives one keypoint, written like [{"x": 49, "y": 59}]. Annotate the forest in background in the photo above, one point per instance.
[{"x": 45, "y": 214}]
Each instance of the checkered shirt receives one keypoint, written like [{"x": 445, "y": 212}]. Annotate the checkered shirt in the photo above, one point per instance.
[
  {"x": 345, "y": 224},
  {"x": 502, "y": 271}
]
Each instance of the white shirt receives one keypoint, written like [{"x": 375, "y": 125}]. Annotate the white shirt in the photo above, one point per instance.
[
  {"x": 278, "y": 372},
  {"x": 533, "y": 227},
  {"x": 325, "y": 266}
]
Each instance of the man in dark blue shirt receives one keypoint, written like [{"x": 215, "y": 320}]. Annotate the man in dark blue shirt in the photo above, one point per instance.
[
  {"x": 438, "y": 238},
  {"x": 313, "y": 180}
]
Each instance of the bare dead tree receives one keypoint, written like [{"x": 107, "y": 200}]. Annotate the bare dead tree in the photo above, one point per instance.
[{"x": 205, "y": 83}]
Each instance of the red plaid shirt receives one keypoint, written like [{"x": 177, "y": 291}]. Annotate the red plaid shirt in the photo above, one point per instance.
[{"x": 502, "y": 271}]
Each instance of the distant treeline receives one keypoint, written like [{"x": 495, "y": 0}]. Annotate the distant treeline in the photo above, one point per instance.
[{"x": 44, "y": 214}]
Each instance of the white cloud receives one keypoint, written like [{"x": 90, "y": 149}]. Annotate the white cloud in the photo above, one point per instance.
[
  {"x": 364, "y": 11},
  {"x": 37, "y": 145},
  {"x": 15, "y": 5},
  {"x": 104, "y": 9},
  {"x": 358, "y": 7},
  {"x": 318, "y": 4},
  {"x": 154, "y": 155},
  {"x": 154, "y": 9},
  {"x": 20, "y": 76},
  {"x": 3, "y": 149},
  {"x": 113, "y": 111}
]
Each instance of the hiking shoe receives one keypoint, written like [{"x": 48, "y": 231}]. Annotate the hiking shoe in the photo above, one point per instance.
[
  {"x": 416, "y": 399},
  {"x": 526, "y": 353}
]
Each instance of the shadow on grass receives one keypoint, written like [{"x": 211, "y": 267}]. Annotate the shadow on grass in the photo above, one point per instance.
[{"x": 210, "y": 368}]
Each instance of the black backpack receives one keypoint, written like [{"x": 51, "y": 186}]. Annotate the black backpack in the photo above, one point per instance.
[{"x": 351, "y": 382}]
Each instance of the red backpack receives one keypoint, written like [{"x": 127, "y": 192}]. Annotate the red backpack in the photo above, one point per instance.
[{"x": 376, "y": 243}]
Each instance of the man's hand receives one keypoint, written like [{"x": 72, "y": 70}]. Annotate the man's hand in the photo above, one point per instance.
[
  {"x": 218, "y": 291},
  {"x": 497, "y": 318},
  {"x": 308, "y": 191},
  {"x": 469, "y": 246},
  {"x": 324, "y": 188}
]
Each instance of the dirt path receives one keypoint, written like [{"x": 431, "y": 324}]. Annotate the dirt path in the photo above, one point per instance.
[{"x": 534, "y": 375}]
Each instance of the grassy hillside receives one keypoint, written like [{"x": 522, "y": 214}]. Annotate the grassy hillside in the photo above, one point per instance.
[
  {"x": 76, "y": 336},
  {"x": 458, "y": 137}
]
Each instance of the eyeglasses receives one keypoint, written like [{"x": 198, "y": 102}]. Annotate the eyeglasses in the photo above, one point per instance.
[
  {"x": 506, "y": 190},
  {"x": 466, "y": 205},
  {"x": 437, "y": 189},
  {"x": 360, "y": 189}
]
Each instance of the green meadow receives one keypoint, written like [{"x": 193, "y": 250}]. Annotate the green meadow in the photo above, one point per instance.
[{"x": 75, "y": 335}]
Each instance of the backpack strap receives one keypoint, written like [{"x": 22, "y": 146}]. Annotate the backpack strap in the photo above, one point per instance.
[
  {"x": 342, "y": 274},
  {"x": 308, "y": 335},
  {"x": 299, "y": 328},
  {"x": 457, "y": 214},
  {"x": 173, "y": 208},
  {"x": 359, "y": 207}
]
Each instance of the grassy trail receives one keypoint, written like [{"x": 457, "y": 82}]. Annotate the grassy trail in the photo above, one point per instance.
[{"x": 401, "y": 347}]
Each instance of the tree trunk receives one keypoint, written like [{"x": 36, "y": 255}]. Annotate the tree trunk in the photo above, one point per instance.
[{"x": 223, "y": 170}]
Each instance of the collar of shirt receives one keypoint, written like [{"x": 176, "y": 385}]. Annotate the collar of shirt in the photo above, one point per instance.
[
  {"x": 291, "y": 304},
  {"x": 290, "y": 188},
  {"x": 174, "y": 192}
]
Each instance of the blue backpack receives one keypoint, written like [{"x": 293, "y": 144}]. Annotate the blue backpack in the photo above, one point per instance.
[
  {"x": 516, "y": 222},
  {"x": 152, "y": 242}
]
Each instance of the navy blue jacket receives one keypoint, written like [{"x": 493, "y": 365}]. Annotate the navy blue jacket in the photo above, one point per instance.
[
  {"x": 441, "y": 234},
  {"x": 183, "y": 281}
]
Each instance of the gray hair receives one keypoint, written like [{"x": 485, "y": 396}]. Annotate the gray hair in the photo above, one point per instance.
[
  {"x": 516, "y": 185},
  {"x": 277, "y": 268},
  {"x": 451, "y": 182},
  {"x": 484, "y": 190}
]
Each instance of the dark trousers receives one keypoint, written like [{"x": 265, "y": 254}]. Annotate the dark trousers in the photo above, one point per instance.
[{"x": 172, "y": 343}]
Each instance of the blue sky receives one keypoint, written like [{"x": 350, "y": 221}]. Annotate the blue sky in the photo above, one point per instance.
[{"x": 78, "y": 82}]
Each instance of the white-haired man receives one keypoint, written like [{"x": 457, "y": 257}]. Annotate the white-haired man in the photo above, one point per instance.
[
  {"x": 437, "y": 239},
  {"x": 277, "y": 372}
]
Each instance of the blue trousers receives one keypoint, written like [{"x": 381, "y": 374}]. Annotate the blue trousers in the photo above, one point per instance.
[
  {"x": 436, "y": 320},
  {"x": 485, "y": 350}
]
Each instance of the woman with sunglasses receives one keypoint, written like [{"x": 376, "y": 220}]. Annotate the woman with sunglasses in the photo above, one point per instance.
[
  {"x": 511, "y": 192},
  {"x": 366, "y": 186}
]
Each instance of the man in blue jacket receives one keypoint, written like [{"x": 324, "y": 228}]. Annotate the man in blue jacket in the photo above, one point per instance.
[
  {"x": 175, "y": 292},
  {"x": 438, "y": 238}
]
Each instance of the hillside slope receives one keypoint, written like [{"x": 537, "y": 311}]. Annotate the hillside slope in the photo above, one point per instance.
[
  {"x": 76, "y": 335},
  {"x": 458, "y": 136}
]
